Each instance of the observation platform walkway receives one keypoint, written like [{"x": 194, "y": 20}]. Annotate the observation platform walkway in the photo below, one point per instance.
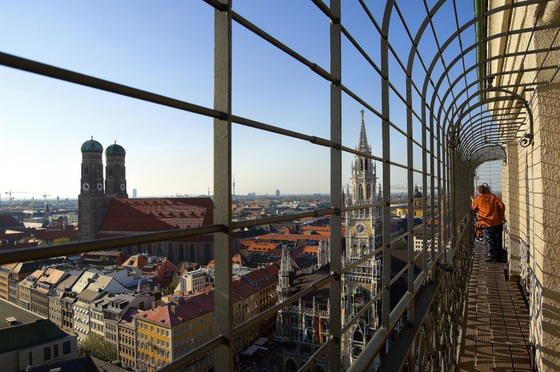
[{"x": 496, "y": 325}]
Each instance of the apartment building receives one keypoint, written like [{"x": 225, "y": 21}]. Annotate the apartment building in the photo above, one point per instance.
[
  {"x": 5, "y": 271},
  {"x": 56, "y": 295},
  {"x": 39, "y": 291},
  {"x": 104, "y": 258},
  {"x": 117, "y": 306},
  {"x": 168, "y": 331},
  {"x": 24, "y": 289},
  {"x": 126, "y": 349},
  {"x": 84, "y": 316},
  {"x": 97, "y": 319},
  {"x": 21, "y": 270},
  {"x": 265, "y": 281},
  {"x": 193, "y": 281}
]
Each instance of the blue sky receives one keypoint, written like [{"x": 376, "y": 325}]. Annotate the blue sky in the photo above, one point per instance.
[{"x": 167, "y": 48}]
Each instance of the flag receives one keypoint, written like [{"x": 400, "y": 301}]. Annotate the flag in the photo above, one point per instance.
[
  {"x": 319, "y": 327},
  {"x": 304, "y": 328}
]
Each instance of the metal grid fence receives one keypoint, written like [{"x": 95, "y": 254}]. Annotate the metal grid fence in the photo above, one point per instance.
[{"x": 445, "y": 133}]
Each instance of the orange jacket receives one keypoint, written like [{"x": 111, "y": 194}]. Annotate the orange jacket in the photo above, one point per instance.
[{"x": 491, "y": 210}]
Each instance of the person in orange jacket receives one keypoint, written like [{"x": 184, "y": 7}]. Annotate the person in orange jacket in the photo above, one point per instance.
[{"x": 491, "y": 217}]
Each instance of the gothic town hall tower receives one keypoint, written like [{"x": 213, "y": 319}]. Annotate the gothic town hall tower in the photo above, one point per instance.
[{"x": 363, "y": 236}]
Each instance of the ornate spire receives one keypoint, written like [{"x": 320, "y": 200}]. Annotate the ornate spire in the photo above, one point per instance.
[
  {"x": 284, "y": 275},
  {"x": 363, "y": 144}
]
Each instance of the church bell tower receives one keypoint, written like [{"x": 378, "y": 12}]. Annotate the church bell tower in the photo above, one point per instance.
[
  {"x": 91, "y": 201},
  {"x": 115, "y": 172}
]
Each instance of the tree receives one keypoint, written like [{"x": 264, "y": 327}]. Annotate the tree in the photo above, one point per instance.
[
  {"x": 97, "y": 346},
  {"x": 170, "y": 288},
  {"x": 62, "y": 241}
]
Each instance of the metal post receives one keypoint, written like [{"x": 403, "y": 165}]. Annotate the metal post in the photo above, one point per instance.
[
  {"x": 410, "y": 179},
  {"x": 386, "y": 142},
  {"x": 336, "y": 185},
  {"x": 222, "y": 186}
]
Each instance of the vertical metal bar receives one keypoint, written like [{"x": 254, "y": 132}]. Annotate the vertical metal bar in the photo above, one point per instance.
[
  {"x": 386, "y": 143},
  {"x": 425, "y": 211},
  {"x": 433, "y": 196},
  {"x": 222, "y": 186},
  {"x": 410, "y": 178},
  {"x": 335, "y": 315},
  {"x": 447, "y": 191},
  {"x": 440, "y": 206},
  {"x": 454, "y": 184}
]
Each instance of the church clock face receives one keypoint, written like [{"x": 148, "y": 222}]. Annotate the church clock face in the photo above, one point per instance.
[
  {"x": 122, "y": 186},
  {"x": 99, "y": 187},
  {"x": 360, "y": 228},
  {"x": 85, "y": 186}
]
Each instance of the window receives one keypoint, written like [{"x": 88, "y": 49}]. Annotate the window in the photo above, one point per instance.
[
  {"x": 30, "y": 357},
  {"x": 47, "y": 353},
  {"x": 56, "y": 351},
  {"x": 66, "y": 347}
]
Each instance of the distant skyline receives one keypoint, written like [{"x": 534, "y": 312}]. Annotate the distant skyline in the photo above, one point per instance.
[{"x": 168, "y": 49}]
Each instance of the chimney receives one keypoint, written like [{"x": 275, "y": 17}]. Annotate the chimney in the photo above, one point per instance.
[{"x": 174, "y": 309}]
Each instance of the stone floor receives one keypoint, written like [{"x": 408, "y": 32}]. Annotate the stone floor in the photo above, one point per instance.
[{"x": 496, "y": 328}]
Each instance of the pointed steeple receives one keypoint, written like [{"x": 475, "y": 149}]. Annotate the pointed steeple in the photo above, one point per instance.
[
  {"x": 363, "y": 144},
  {"x": 284, "y": 275}
]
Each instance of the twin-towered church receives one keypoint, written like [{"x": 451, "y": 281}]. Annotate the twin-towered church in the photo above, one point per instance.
[{"x": 104, "y": 209}]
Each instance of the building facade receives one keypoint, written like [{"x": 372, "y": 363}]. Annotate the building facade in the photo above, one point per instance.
[
  {"x": 171, "y": 330},
  {"x": 39, "y": 291}
]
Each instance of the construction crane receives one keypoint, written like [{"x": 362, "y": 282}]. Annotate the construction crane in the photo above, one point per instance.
[
  {"x": 32, "y": 205},
  {"x": 12, "y": 198},
  {"x": 45, "y": 195}
]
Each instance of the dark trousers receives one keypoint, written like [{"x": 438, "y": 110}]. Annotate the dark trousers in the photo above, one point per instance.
[{"x": 494, "y": 240}]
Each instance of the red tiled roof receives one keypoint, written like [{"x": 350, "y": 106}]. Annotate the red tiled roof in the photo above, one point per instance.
[
  {"x": 262, "y": 246},
  {"x": 50, "y": 235},
  {"x": 316, "y": 228},
  {"x": 273, "y": 268},
  {"x": 290, "y": 237},
  {"x": 8, "y": 221},
  {"x": 165, "y": 270},
  {"x": 261, "y": 278},
  {"x": 138, "y": 260},
  {"x": 242, "y": 289},
  {"x": 156, "y": 214},
  {"x": 257, "y": 274},
  {"x": 184, "y": 310},
  {"x": 237, "y": 259},
  {"x": 312, "y": 249},
  {"x": 245, "y": 243}
]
